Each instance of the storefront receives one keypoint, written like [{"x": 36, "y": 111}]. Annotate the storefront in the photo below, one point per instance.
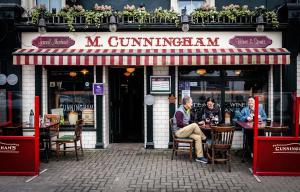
[{"x": 229, "y": 66}]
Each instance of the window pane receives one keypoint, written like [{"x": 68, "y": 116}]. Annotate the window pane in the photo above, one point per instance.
[
  {"x": 190, "y": 5},
  {"x": 71, "y": 91},
  {"x": 43, "y": 2},
  {"x": 55, "y": 4}
]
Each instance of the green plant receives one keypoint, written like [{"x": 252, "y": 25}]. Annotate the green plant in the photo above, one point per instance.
[
  {"x": 271, "y": 16},
  {"x": 69, "y": 13},
  {"x": 170, "y": 15},
  {"x": 37, "y": 11},
  {"x": 140, "y": 14},
  {"x": 205, "y": 11}
]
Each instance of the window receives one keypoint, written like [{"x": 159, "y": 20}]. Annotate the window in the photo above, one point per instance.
[
  {"x": 229, "y": 86},
  {"x": 50, "y": 4},
  {"x": 190, "y": 5},
  {"x": 70, "y": 94}
]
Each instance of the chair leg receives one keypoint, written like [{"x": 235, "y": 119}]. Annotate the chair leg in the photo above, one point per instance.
[
  {"x": 229, "y": 161},
  {"x": 65, "y": 147},
  {"x": 191, "y": 152},
  {"x": 213, "y": 160},
  {"x": 173, "y": 151},
  {"x": 81, "y": 147},
  {"x": 75, "y": 143},
  {"x": 57, "y": 151}
]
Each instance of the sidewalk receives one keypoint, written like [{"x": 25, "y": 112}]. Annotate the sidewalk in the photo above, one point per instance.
[{"x": 130, "y": 167}]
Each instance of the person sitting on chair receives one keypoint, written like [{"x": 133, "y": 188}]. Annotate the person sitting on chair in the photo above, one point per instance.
[
  {"x": 183, "y": 128},
  {"x": 247, "y": 113},
  {"x": 211, "y": 114}
]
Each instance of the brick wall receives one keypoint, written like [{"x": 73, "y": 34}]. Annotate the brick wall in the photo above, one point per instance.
[{"x": 161, "y": 114}]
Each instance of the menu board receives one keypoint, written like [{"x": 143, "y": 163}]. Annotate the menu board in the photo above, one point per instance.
[{"x": 160, "y": 84}]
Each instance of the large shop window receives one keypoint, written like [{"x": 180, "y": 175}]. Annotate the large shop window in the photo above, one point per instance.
[
  {"x": 229, "y": 86},
  {"x": 70, "y": 94}
]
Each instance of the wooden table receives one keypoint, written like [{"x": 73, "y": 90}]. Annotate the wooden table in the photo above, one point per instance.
[{"x": 248, "y": 126}]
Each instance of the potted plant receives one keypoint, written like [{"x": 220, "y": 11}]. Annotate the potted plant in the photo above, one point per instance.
[
  {"x": 37, "y": 11},
  {"x": 205, "y": 13},
  {"x": 70, "y": 13},
  {"x": 98, "y": 15},
  {"x": 165, "y": 16}
]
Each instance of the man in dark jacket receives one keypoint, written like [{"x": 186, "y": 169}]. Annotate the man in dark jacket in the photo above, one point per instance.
[{"x": 183, "y": 128}]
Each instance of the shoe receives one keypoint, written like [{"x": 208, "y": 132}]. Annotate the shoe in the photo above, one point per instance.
[{"x": 201, "y": 159}]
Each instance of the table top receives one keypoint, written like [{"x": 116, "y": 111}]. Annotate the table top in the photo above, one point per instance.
[{"x": 261, "y": 125}]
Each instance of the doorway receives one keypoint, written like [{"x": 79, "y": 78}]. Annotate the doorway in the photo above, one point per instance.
[{"x": 126, "y": 91}]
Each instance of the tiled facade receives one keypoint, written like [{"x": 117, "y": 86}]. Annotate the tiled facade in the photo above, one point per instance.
[
  {"x": 161, "y": 114},
  {"x": 28, "y": 91}
]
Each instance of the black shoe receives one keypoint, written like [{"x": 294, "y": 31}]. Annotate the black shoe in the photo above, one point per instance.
[{"x": 201, "y": 159}]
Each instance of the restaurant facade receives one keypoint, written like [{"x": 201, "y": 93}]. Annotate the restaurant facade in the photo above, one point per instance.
[{"x": 127, "y": 84}]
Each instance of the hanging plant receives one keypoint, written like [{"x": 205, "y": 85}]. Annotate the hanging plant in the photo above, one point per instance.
[
  {"x": 205, "y": 11},
  {"x": 169, "y": 15},
  {"x": 36, "y": 12},
  {"x": 69, "y": 14},
  {"x": 139, "y": 14}
]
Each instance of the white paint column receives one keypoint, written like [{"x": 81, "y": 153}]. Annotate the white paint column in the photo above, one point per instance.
[
  {"x": 105, "y": 113},
  {"x": 270, "y": 93},
  {"x": 28, "y": 91},
  {"x": 161, "y": 114},
  {"x": 44, "y": 91}
]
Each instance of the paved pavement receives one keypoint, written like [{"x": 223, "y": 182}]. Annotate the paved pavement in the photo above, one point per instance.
[{"x": 130, "y": 167}]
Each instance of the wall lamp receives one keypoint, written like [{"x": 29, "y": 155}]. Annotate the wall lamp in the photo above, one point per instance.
[
  {"x": 113, "y": 23},
  {"x": 42, "y": 23},
  {"x": 260, "y": 24},
  {"x": 184, "y": 20}
]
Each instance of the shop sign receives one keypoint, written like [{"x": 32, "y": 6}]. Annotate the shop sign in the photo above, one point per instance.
[
  {"x": 98, "y": 89},
  {"x": 9, "y": 148},
  {"x": 292, "y": 148},
  {"x": 160, "y": 84},
  {"x": 53, "y": 42},
  {"x": 250, "y": 41}
]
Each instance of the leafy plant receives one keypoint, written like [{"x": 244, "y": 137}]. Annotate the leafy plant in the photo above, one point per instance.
[
  {"x": 169, "y": 15},
  {"x": 69, "y": 13},
  {"x": 37, "y": 11},
  {"x": 205, "y": 11},
  {"x": 140, "y": 14}
]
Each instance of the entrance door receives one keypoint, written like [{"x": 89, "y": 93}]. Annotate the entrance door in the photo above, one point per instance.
[{"x": 126, "y": 105}]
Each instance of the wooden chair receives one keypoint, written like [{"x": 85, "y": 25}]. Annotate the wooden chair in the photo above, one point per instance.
[
  {"x": 189, "y": 143},
  {"x": 54, "y": 130},
  {"x": 70, "y": 139},
  {"x": 275, "y": 130},
  {"x": 219, "y": 150}
]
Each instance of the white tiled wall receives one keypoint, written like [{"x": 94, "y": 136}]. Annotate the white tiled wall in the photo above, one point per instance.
[
  {"x": 28, "y": 91},
  {"x": 298, "y": 75},
  {"x": 270, "y": 93},
  {"x": 88, "y": 138},
  {"x": 45, "y": 91},
  {"x": 105, "y": 108},
  {"x": 237, "y": 142},
  {"x": 161, "y": 114}
]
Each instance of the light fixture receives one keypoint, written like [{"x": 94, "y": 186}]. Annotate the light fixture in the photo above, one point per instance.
[
  {"x": 127, "y": 74},
  {"x": 237, "y": 72},
  {"x": 184, "y": 21},
  {"x": 201, "y": 71},
  {"x": 84, "y": 71},
  {"x": 260, "y": 24},
  {"x": 42, "y": 23},
  {"x": 73, "y": 74},
  {"x": 113, "y": 23},
  {"x": 130, "y": 69}
]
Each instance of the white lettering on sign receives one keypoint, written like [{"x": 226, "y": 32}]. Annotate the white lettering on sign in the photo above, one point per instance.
[
  {"x": 287, "y": 148},
  {"x": 8, "y": 148}
]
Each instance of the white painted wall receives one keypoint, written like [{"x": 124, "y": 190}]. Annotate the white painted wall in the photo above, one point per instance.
[
  {"x": 105, "y": 115},
  {"x": 28, "y": 91},
  {"x": 161, "y": 114}
]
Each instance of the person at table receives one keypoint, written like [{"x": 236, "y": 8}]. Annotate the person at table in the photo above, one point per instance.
[
  {"x": 183, "y": 127},
  {"x": 247, "y": 113},
  {"x": 210, "y": 114}
]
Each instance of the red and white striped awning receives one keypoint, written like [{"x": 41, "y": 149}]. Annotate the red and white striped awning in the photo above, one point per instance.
[{"x": 151, "y": 57}]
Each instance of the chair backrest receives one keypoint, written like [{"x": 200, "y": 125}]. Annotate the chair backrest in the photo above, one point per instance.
[
  {"x": 52, "y": 117},
  {"x": 222, "y": 136},
  {"x": 78, "y": 129}
]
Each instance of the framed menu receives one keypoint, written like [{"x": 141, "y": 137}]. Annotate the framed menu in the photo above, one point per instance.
[{"x": 160, "y": 84}]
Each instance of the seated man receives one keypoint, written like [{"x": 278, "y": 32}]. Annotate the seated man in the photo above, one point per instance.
[
  {"x": 183, "y": 128},
  {"x": 247, "y": 113}
]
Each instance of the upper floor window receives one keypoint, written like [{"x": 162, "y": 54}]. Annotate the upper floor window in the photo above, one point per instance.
[
  {"x": 190, "y": 5},
  {"x": 51, "y": 4}
]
